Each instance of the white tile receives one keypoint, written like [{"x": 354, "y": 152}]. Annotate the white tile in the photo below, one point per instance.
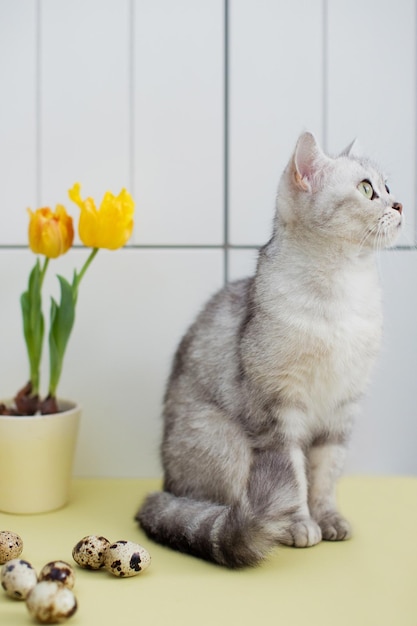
[
  {"x": 133, "y": 307},
  {"x": 242, "y": 263},
  {"x": 386, "y": 431},
  {"x": 385, "y": 436},
  {"x": 371, "y": 88},
  {"x": 15, "y": 266},
  {"x": 85, "y": 97},
  {"x": 178, "y": 67},
  {"x": 276, "y": 88},
  {"x": 17, "y": 117}
]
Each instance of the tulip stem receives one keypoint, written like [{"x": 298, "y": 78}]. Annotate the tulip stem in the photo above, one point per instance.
[
  {"x": 43, "y": 270},
  {"x": 78, "y": 277}
]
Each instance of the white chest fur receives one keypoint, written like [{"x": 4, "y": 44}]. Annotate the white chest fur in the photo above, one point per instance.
[{"x": 322, "y": 338}]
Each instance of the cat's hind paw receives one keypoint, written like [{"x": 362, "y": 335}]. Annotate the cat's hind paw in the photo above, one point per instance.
[
  {"x": 334, "y": 527},
  {"x": 303, "y": 533}
]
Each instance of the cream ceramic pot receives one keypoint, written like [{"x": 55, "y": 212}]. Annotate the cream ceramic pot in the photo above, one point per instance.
[{"x": 36, "y": 460}]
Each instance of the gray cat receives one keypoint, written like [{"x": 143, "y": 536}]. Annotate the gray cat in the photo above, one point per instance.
[{"x": 266, "y": 382}]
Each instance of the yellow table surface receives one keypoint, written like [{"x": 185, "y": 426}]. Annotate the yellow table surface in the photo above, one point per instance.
[{"x": 369, "y": 580}]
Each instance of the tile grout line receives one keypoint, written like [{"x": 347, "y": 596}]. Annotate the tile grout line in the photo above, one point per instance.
[
  {"x": 226, "y": 143},
  {"x": 415, "y": 123},
  {"x": 38, "y": 105},
  {"x": 325, "y": 76},
  {"x": 190, "y": 247},
  {"x": 131, "y": 98}
]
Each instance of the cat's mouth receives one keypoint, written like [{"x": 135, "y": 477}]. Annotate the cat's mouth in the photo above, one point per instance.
[
  {"x": 399, "y": 217},
  {"x": 390, "y": 227}
]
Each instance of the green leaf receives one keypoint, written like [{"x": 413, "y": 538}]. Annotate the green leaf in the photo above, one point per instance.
[
  {"x": 33, "y": 323},
  {"x": 62, "y": 322}
]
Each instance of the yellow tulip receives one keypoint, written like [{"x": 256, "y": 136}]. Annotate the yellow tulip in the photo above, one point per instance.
[
  {"x": 111, "y": 225},
  {"x": 50, "y": 234}
]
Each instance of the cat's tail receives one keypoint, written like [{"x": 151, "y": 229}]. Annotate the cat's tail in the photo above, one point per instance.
[{"x": 228, "y": 535}]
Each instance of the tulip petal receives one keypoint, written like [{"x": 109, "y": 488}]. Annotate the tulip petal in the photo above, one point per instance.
[
  {"x": 50, "y": 234},
  {"x": 111, "y": 225},
  {"x": 88, "y": 224},
  {"x": 75, "y": 196}
]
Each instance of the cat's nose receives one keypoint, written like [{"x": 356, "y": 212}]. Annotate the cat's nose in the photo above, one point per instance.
[{"x": 398, "y": 207}]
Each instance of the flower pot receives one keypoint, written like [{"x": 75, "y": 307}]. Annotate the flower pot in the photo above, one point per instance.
[{"x": 36, "y": 460}]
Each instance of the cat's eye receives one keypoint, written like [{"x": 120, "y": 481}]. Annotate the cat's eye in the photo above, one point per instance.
[
  {"x": 366, "y": 189},
  {"x": 387, "y": 189}
]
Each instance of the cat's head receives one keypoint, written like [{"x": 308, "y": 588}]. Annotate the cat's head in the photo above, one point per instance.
[{"x": 344, "y": 198}]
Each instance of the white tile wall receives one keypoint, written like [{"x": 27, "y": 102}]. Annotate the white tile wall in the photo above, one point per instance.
[
  {"x": 84, "y": 96},
  {"x": 133, "y": 308},
  {"x": 385, "y": 436},
  {"x": 276, "y": 91},
  {"x": 18, "y": 117},
  {"x": 194, "y": 105},
  {"x": 179, "y": 121}
]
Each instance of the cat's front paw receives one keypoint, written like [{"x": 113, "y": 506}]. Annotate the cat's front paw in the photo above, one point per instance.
[
  {"x": 334, "y": 527},
  {"x": 303, "y": 533}
]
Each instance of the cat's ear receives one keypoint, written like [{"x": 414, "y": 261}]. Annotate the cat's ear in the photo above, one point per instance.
[
  {"x": 352, "y": 150},
  {"x": 309, "y": 162}
]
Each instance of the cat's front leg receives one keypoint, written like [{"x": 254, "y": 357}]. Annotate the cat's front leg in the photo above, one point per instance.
[
  {"x": 277, "y": 495},
  {"x": 304, "y": 530},
  {"x": 325, "y": 466}
]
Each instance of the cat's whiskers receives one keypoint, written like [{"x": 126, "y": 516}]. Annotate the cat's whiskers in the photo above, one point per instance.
[
  {"x": 380, "y": 234},
  {"x": 369, "y": 233},
  {"x": 380, "y": 237}
]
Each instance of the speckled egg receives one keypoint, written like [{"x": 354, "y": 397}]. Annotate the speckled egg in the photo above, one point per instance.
[
  {"x": 18, "y": 578},
  {"x": 11, "y": 546},
  {"x": 90, "y": 552},
  {"x": 125, "y": 558},
  {"x": 59, "y": 572},
  {"x": 51, "y": 603}
]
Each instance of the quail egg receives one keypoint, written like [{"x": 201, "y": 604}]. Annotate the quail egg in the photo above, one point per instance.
[
  {"x": 59, "y": 572},
  {"x": 51, "y": 603},
  {"x": 18, "y": 578},
  {"x": 90, "y": 552},
  {"x": 126, "y": 558},
  {"x": 11, "y": 546}
]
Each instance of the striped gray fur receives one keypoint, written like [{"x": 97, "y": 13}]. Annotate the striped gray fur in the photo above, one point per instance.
[{"x": 266, "y": 383}]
